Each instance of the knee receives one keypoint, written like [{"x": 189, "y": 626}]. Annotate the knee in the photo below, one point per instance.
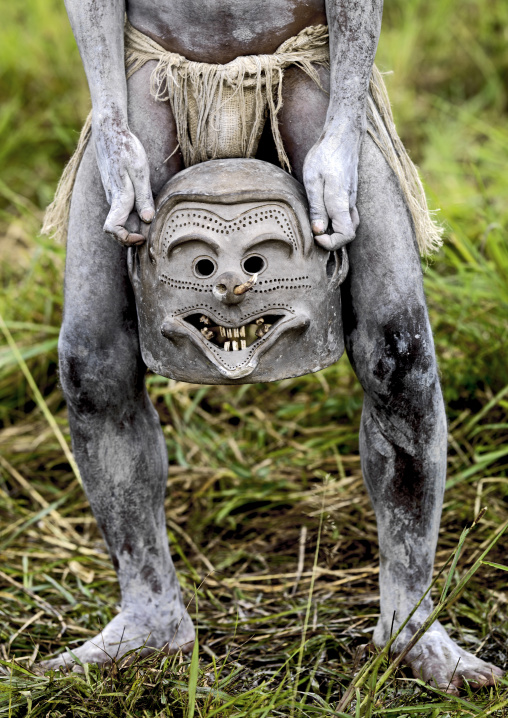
[
  {"x": 404, "y": 363},
  {"x": 98, "y": 377},
  {"x": 395, "y": 362}
]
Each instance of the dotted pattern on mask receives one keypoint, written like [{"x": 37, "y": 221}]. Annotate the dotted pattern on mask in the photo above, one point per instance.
[
  {"x": 280, "y": 284},
  {"x": 221, "y": 355},
  {"x": 277, "y": 284},
  {"x": 211, "y": 222},
  {"x": 181, "y": 284}
]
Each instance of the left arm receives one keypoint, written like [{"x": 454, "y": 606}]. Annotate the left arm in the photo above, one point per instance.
[{"x": 330, "y": 171}]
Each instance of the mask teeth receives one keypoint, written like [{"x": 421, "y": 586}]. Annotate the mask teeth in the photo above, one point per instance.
[
  {"x": 232, "y": 338},
  {"x": 262, "y": 329}
]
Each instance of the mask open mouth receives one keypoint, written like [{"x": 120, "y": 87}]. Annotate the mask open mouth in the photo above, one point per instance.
[
  {"x": 233, "y": 339},
  {"x": 235, "y": 351}
]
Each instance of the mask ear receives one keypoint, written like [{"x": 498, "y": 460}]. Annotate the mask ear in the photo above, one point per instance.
[
  {"x": 135, "y": 256},
  {"x": 337, "y": 267},
  {"x": 133, "y": 265}
]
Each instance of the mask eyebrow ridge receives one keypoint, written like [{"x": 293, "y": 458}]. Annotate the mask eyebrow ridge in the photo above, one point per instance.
[
  {"x": 214, "y": 246},
  {"x": 265, "y": 237}
]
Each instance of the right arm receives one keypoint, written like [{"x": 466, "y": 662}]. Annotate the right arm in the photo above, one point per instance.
[{"x": 122, "y": 161}]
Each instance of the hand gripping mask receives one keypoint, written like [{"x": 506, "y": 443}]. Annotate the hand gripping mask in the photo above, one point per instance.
[{"x": 230, "y": 286}]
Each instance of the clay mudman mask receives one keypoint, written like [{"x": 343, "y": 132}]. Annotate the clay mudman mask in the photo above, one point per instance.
[{"x": 230, "y": 286}]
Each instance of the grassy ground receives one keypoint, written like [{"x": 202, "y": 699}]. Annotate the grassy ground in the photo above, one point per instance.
[{"x": 273, "y": 536}]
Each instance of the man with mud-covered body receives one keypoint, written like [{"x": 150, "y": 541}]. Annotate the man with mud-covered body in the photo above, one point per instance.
[{"x": 116, "y": 434}]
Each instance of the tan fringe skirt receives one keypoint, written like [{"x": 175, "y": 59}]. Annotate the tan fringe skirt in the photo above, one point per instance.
[{"x": 220, "y": 112}]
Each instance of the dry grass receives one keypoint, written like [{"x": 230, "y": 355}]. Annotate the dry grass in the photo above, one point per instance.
[{"x": 246, "y": 494}]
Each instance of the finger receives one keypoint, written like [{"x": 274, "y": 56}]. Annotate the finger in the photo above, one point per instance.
[
  {"x": 121, "y": 234},
  {"x": 317, "y": 210},
  {"x": 338, "y": 208},
  {"x": 143, "y": 193},
  {"x": 332, "y": 242},
  {"x": 342, "y": 224},
  {"x": 134, "y": 240},
  {"x": 449, "y": 688},
  {"x": 325, "y": 241},
  {"x": 121, "y": 206},
  {"x": 125, "y": 238}
]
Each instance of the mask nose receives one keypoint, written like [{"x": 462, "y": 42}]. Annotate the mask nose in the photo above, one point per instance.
[{"x": 230, "y": 288}]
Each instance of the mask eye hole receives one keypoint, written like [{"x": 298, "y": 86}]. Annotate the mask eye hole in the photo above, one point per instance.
[
  {"x": 254, "y": 264},
  {"x": 204, "y": 267}
]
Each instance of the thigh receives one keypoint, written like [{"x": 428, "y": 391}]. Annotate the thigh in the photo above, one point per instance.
[
  {"x": 98, "y": 301},
  {"x": 384, "y": 313}
]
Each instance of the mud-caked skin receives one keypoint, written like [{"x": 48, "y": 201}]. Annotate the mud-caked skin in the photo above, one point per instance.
[{"x": 117, "y": 439}]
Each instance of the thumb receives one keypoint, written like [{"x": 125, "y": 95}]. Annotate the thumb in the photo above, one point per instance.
[
  {"x": 337, "y": 203},
  {"x": 342, "y": 224},
  {"x": 143, "y": 192},
  {"x": 317, "y": 209}
]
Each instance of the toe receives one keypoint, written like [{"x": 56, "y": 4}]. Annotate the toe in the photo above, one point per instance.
[
  {"x": 450, "y": 688},
  {"x": 440, "y": 678},
  {"x": 484, "y": 676},
  {"x": 477, "y": 680},
  {"x": 437, "y": 674}
]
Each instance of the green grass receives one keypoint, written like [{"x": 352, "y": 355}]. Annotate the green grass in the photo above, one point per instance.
[{"x": 252, "y": 467}]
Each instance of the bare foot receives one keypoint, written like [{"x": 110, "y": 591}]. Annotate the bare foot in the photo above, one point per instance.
[
  {"x": 129, "y": 630},
  {"x": 440, "y": 662}
]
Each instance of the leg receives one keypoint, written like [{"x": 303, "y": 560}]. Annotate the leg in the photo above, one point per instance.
[
  {"x": 116, "y": 435},
  {"x": 403, "y": 432}
]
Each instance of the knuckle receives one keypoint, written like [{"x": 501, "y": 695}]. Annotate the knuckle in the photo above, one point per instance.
[
  {"x": 316, "y": 201},
  {"x": 113, "y": 234},
  {"x": 143, "y": 199},
  {"x": 340, "y": 239},
  {"x": 139, "y": 169},
  {"x": 311, "y": 171},
  {"x": 325, "y": 242},
  {"x": 341, "y": 218},
  {"x": 118, "y": 203},
  {"x": 115, "y": 218},
  {"x": 318, "y": 215},
  {"x": 114, "y": 229},
  {"x": 125, "y": 196},
  {"x": 312, "y": 179}
]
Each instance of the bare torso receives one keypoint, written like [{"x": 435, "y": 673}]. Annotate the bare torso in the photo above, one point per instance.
[{"x": 220, "y": 30}]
